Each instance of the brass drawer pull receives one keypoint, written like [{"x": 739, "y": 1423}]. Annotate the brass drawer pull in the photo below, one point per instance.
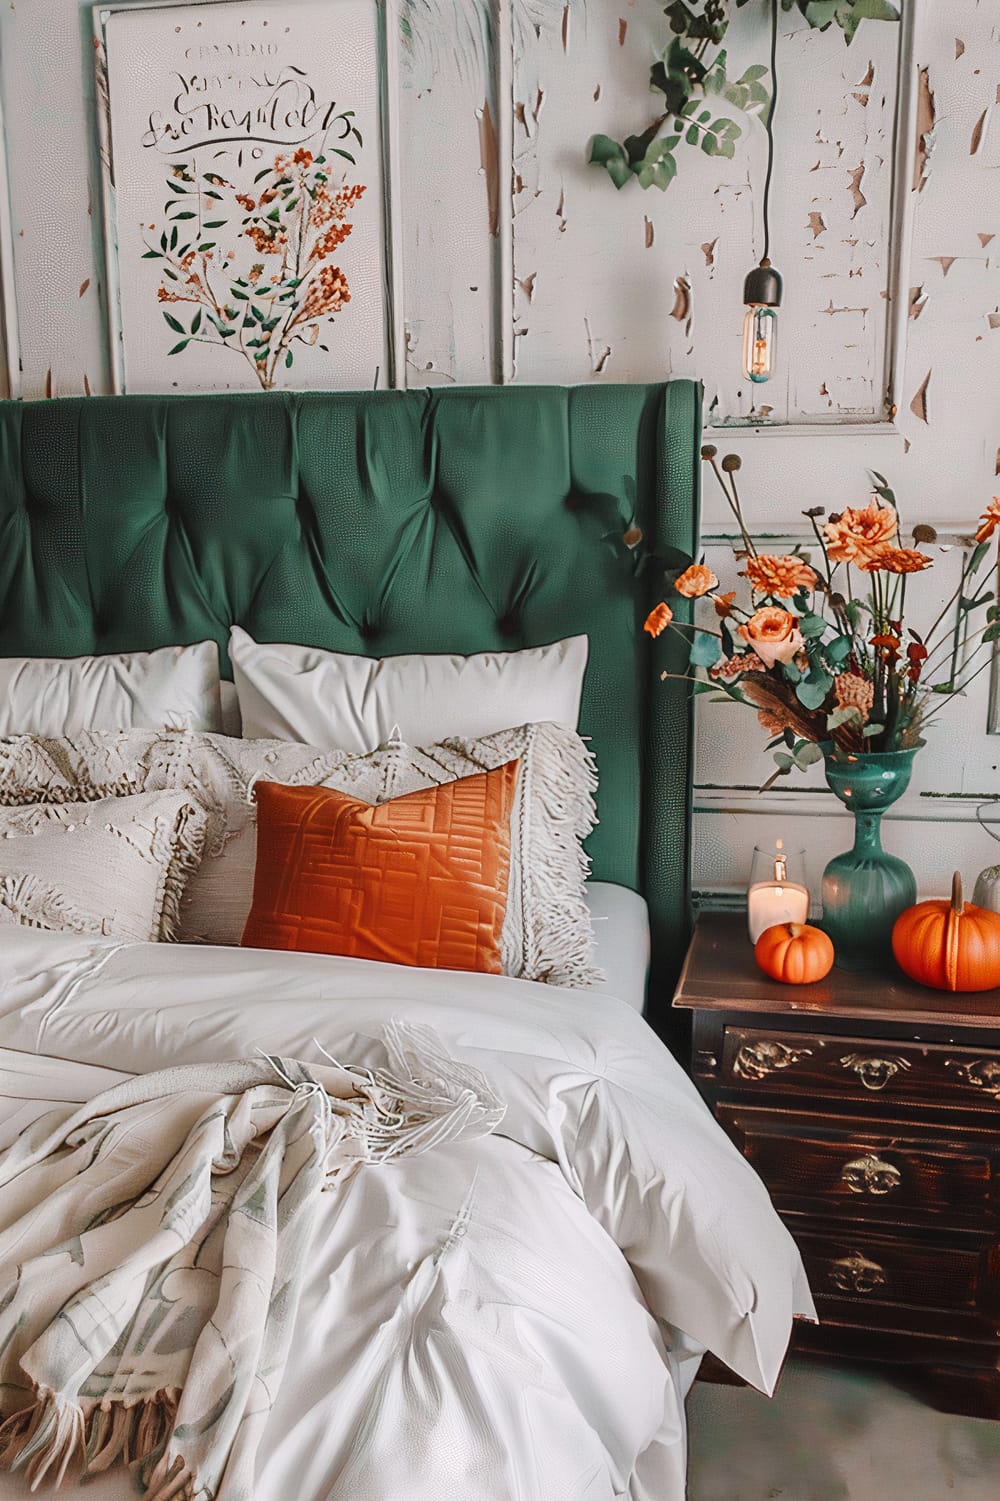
[
  {"x": 870, "y": 1175},
  {"x": 757, "y": 1060},
  {"x": 856, "y": 1274},
  {"x": 874, "y": 1073},
  {"x": 979, "y": 1073}
]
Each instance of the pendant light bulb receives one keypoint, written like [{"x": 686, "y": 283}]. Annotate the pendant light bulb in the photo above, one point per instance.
[
  {"x": 762, "y": 295},
  {"x": 762, "y": 288}
]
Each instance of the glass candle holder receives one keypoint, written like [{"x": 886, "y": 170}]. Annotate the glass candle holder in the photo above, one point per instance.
[{"x": 777, "y": 890}]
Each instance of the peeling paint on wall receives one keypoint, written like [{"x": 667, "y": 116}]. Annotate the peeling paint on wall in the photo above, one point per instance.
[
  {"x": 944, "y": 261},
  {"x": 918, "y": 406},
  {"x": 816, "y": 225},
  {"x": 979, "y": 132},
  {"x": 926, "y": 116},
  {"x": 855, "y": 186},
  {"x": 490, "y": 163},
  {"x": 681, "y": 309},
  {"x": 708, "y": 251},
  {"x": 648, "y": 232},
  {"x": 598, "y": 358},
  {"x": 918, "y": 301}
]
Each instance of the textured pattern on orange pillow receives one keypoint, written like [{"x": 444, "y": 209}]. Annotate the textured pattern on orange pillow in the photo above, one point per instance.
[{"x": 420, "y": 879}]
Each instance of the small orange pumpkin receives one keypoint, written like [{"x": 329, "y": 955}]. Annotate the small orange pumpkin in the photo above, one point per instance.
[
  {"x": 794, "y": 953},
  {"x": 949, "y": 945}
]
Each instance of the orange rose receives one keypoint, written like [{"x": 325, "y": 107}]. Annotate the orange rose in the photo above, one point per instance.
[
  {"x": 989, "y": 521},
  {"x": 774, "y": 635},
  {"x": 696, "y": 581},
  {"x": 781, "y": 577},
  {"x": 860, "y": 534},
  {"x": 658, "y": 619}
]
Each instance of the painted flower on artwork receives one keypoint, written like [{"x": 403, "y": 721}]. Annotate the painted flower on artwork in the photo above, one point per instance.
[{"x": 250, "y": 269}]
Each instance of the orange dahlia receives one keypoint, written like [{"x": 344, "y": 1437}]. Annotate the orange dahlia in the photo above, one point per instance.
[
  {"x": 781, "y": 577},
  {"x": 658, "y": 619},
  {"x": 860, "y": 533},
  {"x": 696, "y": 581},
  {"x": 897, "y": 560},
  {"x": 989, "y": 521}
]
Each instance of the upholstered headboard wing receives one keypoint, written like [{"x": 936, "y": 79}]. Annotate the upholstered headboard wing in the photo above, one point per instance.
[{"x": 377, "y": 523}]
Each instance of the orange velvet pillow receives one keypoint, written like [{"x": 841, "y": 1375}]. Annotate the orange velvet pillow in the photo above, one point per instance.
[{"x": 421, "y": 879}]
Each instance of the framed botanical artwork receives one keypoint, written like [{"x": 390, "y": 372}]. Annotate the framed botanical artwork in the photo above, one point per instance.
[{"x": 246, "y": 194}]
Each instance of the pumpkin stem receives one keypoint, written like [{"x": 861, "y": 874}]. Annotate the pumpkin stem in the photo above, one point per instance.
[
  {"x": 794, "y": 929},
  {"x": 956, "y": 892}
]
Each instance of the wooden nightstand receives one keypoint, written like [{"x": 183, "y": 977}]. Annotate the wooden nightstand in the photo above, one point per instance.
[{"x": 871, "y": 1109}]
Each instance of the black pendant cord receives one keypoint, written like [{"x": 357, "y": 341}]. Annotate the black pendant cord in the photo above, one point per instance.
[{"x": 769, "y": 127}]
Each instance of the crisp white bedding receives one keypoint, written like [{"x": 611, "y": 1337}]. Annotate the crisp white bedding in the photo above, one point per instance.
[
  {"x": 491, "y": 1321},
  {"x": 620, "y": 920}
]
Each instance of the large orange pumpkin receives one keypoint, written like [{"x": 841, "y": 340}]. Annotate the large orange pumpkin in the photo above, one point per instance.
[
  {"x": 949, "y": 945},
  {"x": 794, "y": 953}
]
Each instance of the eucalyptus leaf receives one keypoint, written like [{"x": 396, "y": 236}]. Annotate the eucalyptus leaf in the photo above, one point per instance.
[
  {"x": 811, "y": 694},
  {"x": 812, "y": 626},
  {"x": 839, "y": 649},
  {"x": 849, "y": 714},
  {"x": 807, "y": 754},
  {"x": 785, "y": 761},
  {"x": 705, "y": 650}
]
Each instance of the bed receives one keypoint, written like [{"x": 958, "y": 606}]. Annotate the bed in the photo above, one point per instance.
[{"x": 518, "y": 1314}]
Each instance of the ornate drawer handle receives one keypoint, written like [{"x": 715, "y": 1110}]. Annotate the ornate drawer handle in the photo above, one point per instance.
[
  {"x": 870, "y": 1175},
  {"x": 980, "y": 1073},
  {"x": 757, "y": 1060},
  {"x": 874, "y": 1073},
  {"x": 856, "y": 1274}
]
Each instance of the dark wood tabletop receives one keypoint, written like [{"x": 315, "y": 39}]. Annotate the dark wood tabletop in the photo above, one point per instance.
[{"x": 720, "y": 973}]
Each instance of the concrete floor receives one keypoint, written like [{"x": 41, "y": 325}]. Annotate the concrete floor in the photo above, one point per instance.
[{"x": 835, "y": 1433}]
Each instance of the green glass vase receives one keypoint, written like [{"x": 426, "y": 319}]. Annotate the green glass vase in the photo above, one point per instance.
[{"x": 865, "y": 889}]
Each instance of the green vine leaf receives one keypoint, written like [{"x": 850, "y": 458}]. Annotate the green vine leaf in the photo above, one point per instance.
[
  {"x": 608, "y": 153},
  {"x": 659, "y": 166},
  {"x": 686, "y": 75}
]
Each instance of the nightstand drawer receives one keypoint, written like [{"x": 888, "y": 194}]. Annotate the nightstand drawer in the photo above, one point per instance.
[
  {"x": 921, "y": 1273},
  {"x": 855, "y": 1068},
  {"x": 868, "y": 1169}
]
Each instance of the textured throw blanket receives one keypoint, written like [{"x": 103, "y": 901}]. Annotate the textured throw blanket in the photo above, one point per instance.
[{"x": 153, "y": 1245}]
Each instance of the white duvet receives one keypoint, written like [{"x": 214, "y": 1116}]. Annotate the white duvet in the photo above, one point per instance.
[{"x": 500, "y": 1320}]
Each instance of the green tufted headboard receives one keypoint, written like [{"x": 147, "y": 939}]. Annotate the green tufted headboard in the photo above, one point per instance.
[{"x": 378, "y": 523}]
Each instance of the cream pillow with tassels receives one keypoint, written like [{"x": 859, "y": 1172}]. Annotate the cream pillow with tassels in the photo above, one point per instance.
[{"x": 116, "y": 867}]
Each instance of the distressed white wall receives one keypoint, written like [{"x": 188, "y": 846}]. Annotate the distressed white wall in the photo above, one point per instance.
[{"x": 517, "y": 255}]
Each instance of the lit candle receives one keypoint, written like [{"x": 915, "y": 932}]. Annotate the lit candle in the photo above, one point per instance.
[{"x": 776, "y": 900}]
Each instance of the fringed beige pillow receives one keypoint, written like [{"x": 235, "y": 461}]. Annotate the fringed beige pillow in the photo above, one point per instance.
[
  {"x": 116, "y": 867},
  {"x": 547, "y": 933}
]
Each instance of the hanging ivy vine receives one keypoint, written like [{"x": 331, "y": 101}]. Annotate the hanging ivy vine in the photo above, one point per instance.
[{"x": 692, "y": 76}]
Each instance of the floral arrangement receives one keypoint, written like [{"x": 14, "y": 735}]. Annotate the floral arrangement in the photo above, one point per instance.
[
  {"x": 252, "y": 270},
  {"x": 823, "y": 649}
]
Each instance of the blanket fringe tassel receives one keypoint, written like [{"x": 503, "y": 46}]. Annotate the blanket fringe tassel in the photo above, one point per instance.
[{"x": 53, "y": 1435}]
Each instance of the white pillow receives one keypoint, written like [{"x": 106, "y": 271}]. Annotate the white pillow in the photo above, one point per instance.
[
  {"x": 176, "y": 687},
  {"x": 547, "y": 934},
  {"x": 342, "y": 702},
  {"x": 115, "y": 867}
]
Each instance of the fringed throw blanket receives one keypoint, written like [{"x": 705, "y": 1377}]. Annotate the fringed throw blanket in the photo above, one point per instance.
[{"x": 153, "y": 1247}]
